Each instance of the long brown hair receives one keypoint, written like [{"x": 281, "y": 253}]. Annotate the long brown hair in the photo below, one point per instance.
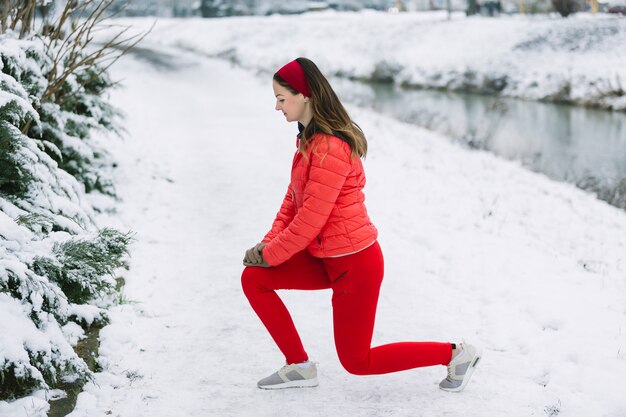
[{"x": 329, "y": 115}]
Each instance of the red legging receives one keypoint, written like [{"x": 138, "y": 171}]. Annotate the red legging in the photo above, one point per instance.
[{"x": 355, "y": 280}]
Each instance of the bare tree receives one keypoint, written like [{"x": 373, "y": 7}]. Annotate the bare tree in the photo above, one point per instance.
[
  {"x": 68, "y": 37},
  {"x": 17, "y": 15},
  {"x": 76, "y": 50}
]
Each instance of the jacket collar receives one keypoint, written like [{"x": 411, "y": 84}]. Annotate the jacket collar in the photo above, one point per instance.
[
  {"x": 300, "y": 130},
  {"x": 335, "y": 133}
]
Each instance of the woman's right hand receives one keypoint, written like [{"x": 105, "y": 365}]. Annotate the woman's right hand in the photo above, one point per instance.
[{"x": 254, "y": 256}]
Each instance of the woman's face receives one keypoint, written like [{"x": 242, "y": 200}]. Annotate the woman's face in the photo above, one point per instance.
[{"x": 292, "y": 105}]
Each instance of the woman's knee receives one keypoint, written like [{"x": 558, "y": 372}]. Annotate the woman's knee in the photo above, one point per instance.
[
  {"x": 252, "y": 279},
  {"x": 355, "y": 365},
  {"x": 248, "y": 279}
]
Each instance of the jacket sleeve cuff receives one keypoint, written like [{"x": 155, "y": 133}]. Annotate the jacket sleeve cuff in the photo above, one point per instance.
[{"x": 268, "y": 258}]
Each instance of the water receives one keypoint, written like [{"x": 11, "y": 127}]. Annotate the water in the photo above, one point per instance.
[{"x": 582, "y": 146}]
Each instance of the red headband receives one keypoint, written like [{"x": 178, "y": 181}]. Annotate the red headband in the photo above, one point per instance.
[{"x": 293, "y": 74}]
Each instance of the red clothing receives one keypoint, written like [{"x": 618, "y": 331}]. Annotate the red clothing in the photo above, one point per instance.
[
  {"x": 323, "y": 209},
  {"x": 355, "y": 280}
]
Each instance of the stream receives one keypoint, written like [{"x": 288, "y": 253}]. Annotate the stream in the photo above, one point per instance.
[{"x": 578, "y": 145}]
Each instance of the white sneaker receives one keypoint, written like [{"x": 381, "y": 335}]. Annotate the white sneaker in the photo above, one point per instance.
[
  {"x": 460, "y": 368},
  {"x": 296, "y": 375}
]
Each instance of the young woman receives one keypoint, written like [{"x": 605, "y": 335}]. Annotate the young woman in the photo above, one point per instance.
[{"x": 323, "y": 238}]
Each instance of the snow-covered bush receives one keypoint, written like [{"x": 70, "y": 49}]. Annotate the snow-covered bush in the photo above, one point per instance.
[
  {"x": 29, "y": 177},
  {"x": 53, "y": 259},
  {"x": 81, "y": 267},
  {"x": 67, "y": 127}
]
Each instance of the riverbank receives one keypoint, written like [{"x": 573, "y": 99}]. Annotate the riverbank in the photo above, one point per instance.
[
  {"x": 580, "y": 60},
  {"x": 538, "y": 266}
]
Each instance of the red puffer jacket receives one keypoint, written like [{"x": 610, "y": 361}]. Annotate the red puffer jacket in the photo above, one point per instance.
[{"x": 323, "y": 210}]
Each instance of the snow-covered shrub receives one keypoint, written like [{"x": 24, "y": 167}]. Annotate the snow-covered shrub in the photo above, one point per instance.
[
  {"x": 29, "y": 177},
  {"x": 79, "y": 266},
  {"x": 13, "y": 180},
  {"x": 63, "y": 121},
  {"x": 53, "y": 258},
  {"x": 15, "y": 109},
  {"x": 79, "y": 108},
  {"x": 34, "y": 351}
]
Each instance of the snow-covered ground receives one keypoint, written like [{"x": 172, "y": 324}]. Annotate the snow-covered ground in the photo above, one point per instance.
[
  {"x": 580, "y": 60},
  {"x": 476, "y": 248}
]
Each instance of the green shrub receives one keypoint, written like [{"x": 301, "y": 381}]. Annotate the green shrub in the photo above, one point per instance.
[{"x": 79, "y": 265}]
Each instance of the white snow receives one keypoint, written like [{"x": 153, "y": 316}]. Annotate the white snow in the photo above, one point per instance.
[
  {"x": 35, "y": 405},
  {"x": 476, "y": 248}
]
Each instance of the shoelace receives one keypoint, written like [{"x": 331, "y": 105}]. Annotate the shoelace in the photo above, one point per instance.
[
  {"x": 284, "y": 368},
  {"x": 451, "y": 367},
  {"x": 449, "y": 377}
]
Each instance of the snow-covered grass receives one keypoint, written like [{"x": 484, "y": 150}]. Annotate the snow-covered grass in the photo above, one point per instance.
[
  {"x": 476, "y": 248},
  {"x": 544, "y": 57}
]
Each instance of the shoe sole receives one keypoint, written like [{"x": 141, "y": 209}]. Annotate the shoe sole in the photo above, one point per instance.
[
  {"x": 303, "y": 383},
  {"x": 468, "y": 374}
]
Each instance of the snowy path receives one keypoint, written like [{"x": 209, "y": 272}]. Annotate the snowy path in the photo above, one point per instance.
[{"x": 538, "y": 267}]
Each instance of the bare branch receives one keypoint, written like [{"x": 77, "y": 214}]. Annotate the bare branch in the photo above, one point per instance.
[
  {"x": 5, "y": 12},
  {"x": 58, "y": 25},
  {"x": 23, "y": 16},
  {"x": 121, "y": 48},
  {"x": 69, "y": 40}
]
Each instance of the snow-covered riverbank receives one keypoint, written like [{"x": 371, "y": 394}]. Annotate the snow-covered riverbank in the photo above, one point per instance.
[{"x": 579, "y": 60}]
